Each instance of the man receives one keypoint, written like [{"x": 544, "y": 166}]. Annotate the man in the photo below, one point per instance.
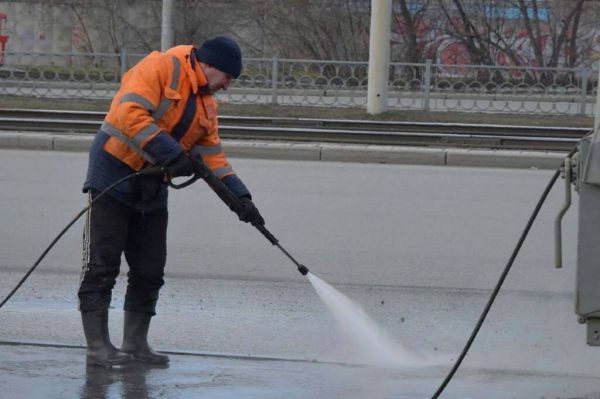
[{"x": 163, "y": 114}]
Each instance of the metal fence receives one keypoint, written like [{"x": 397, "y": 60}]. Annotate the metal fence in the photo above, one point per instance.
[{"x": 426, "y": 86}]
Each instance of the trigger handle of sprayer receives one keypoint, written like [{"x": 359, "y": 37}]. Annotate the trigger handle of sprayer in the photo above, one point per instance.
[
  {"x": 200, "y": 172},
  {"x": 186, "y": 183}
]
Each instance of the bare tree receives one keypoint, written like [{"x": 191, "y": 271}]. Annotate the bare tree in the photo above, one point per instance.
[
  {"x": 321, "y": 29},
  {"x": 486, "y": 28},
  {"x": 197, "y": 20},
  {"x": 409, "y": 26},
  {"x": 105, "y": 24},
  {"x": 562, "y": 22},
  {"x": 79, "y": 9},
  {"x": 465, "y": 23},
  {"x": 142, "y": 36}
]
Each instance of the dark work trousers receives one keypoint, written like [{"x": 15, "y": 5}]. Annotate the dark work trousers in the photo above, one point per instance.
[{"x": 111, "y": 229}]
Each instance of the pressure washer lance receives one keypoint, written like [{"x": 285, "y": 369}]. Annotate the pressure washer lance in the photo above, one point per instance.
[
  {"x": 231, "y": 200},
  {"x": 201, "y": 172}
]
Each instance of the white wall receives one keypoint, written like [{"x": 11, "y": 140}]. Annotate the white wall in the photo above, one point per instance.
[{"x": 37, "y": 27}]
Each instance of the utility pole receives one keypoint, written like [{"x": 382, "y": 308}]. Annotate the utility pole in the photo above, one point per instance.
[
  {"x": 379, "y": 56},
  {"x": 167, "y": 37}
]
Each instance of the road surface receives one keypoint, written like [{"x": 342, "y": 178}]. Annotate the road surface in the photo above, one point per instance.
[{"x": 419, "y": 248}]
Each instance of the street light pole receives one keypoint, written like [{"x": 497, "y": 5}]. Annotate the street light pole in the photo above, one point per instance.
[
  {"x": 167, "y": 38},
  {"x": 379, "y": 56}
]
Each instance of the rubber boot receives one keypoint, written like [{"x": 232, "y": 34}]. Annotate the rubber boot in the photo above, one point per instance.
[
  {"x": 135, "y": 339},
  {"x": 100, "y": 351}
]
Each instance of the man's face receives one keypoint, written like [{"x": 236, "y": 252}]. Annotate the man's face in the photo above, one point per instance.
[{"x": 217, "y": 79}]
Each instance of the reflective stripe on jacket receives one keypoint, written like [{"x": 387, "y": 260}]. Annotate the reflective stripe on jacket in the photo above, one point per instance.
[
  {"x": 159, "y": 110},
  {"x": 151, "y": 102}
]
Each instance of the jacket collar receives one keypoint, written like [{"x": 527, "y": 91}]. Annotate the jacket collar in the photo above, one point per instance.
[
  {"x": 198, "y": 79},
  {"x": 192, "y": 69}
]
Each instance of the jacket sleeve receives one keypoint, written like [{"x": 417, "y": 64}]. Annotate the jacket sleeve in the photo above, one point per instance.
[
  {"x": 211, "y": 150},
  {"x": 147, "y": 93}
]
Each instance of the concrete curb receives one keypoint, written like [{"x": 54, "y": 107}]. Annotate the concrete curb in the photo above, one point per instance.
[
  {"x": 505, "y": 159},
  {"x": 383, "y": 154},
  {"x": 321, "y": 152}
]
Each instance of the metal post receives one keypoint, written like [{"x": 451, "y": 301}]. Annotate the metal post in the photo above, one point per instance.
[
  {"x": 561, "y": 213},
  {"x": 123, "y": 61},
  {"x": 166, "y": 37},
  {"x": 597, "y": 113},
  {"x": 379, "y": 56},
  {"x": 427, "y": 83},
  {"x": 274, "y": 79},
  {"x": 584, "y": 74}
]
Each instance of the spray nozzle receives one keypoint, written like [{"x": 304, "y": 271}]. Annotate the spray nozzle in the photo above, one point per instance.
[{"x": 303, "y": 270}]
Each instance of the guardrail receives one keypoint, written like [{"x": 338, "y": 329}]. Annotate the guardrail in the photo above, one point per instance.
[
  {"x": 329, "y": 130},
  {"x": 425, "y": 86}
]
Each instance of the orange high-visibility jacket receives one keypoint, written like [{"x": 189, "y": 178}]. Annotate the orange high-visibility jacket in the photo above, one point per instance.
[{"x": 150, "y": 104}]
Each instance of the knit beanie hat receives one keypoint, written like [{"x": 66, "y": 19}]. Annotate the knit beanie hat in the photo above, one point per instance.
[{"x": 222, "y": 53}]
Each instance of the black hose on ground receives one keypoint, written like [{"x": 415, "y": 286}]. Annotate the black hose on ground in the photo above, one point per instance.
[
  {"x": 500, "y": 282},
  {"x": 147, "y": 171}
]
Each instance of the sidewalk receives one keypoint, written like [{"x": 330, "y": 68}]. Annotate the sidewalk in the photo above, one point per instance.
[{"x": 322, "y": 152}]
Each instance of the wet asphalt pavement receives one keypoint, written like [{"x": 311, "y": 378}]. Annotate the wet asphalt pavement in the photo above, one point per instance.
[
  {"x": 419, "y": 248},
  {"x": 59, "y": 373},
  {"x": 40, "y": 372}
]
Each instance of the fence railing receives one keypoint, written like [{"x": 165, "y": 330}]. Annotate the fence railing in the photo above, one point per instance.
[{"x": 415, "y": 86}]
